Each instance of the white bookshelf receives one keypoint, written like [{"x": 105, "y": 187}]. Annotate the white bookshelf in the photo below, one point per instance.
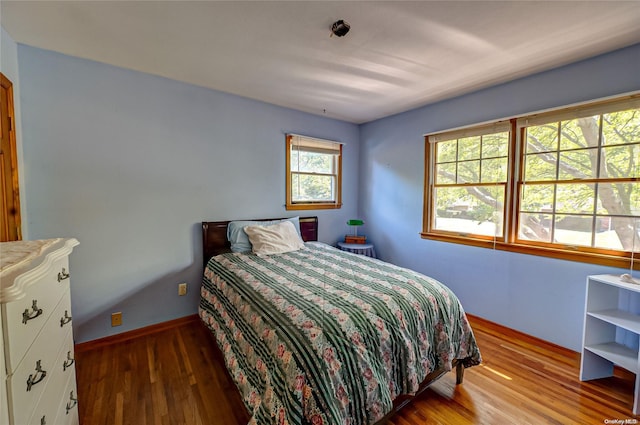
[{"x": 603, "y": 317}]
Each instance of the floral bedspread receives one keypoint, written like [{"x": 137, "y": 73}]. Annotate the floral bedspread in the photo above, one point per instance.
[{"x": 322, "y": 336}]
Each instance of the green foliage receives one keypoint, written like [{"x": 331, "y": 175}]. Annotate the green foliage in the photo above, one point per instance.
[
  {"x": 311, "y": 162},
  {"x": 312, "y": 178},
  {"x": 596, "y": 147},
  {"x": 480, "y": 161}
]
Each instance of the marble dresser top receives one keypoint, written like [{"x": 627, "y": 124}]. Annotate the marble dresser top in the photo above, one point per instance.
[
  {"x": 16, "y": 254},
  {"x": 22, "y": 263}
]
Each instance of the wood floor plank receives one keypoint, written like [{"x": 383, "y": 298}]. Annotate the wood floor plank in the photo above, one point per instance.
[{"x": 176, "y": 375}]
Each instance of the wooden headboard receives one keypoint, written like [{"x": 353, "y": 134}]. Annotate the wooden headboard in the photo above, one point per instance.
[{"x": 214, "y": 235}]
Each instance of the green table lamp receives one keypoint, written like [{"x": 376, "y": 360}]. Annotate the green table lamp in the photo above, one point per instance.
[{"x": 355, "y": 224}]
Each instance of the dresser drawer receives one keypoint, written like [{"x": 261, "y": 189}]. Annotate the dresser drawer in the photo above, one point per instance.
[
  {"x": 4, "y": 400},
  {"x": 68, "y": 408},
  {"x": 49, "y": 351},
  {"x": 37, "y": 334},
  {"x": 20, "y": 330},
  {"x": 63, "y": 375}
]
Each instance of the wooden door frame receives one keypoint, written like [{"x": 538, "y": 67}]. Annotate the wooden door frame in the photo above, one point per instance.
[{"x": 16, "y": 232}]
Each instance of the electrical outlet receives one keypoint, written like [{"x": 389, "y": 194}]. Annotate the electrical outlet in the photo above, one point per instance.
[
  {"x": 182, "y": 288},
  {"x": 116, "y": 319}
]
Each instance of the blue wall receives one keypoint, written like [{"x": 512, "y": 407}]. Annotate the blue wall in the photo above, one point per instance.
[
  {"x": 130, "y": 164},
  {"x": 540, "y": 296}
]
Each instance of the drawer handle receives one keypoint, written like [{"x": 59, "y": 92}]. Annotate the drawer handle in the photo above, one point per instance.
[
  {"x": 72, "y": 402},
  {"x": 67, "y": 363},
  {"x": 65, "y": 319},
  {"x": 63, "y": 275},
  {"x": 43, "y": 421},
  {"x": 34, "y": 379},
  {"x": 35, "y": 312}
]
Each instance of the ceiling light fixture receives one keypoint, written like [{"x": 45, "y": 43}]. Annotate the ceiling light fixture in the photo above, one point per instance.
[{"x": 340, "y": 28}]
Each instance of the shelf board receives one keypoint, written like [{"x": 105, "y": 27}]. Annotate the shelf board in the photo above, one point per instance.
[
  {"x": 618, "y": 354},
  {"x": 620, "y": 318},
  {"x": 614, "y": 280}
]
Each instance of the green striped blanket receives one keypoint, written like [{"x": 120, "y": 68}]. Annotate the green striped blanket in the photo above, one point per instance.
[{"x": 322, "y": 336}]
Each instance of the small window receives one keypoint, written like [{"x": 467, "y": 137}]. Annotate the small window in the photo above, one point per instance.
[{"x": 314, "y": 173}]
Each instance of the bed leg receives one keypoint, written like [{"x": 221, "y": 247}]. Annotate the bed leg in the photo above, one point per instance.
[{"x": 459, "y": 373}]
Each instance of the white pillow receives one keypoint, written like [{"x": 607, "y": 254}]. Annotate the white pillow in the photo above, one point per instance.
[{"x": 274, "y": 239}]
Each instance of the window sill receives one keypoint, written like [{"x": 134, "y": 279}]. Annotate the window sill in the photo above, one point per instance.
[
  {"x": 312, "y": 206},
  {"x": 604, "y": 259}
]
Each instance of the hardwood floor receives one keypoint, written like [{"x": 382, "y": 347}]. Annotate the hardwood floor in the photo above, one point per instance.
[
  {"x": 175, "y": 375},
  {"x": 171, "y": 377}
]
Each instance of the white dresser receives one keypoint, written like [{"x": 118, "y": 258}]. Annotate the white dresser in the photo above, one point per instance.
[{"x": 38, "y": 384}]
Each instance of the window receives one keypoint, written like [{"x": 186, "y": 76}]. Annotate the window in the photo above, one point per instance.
[
  {"x": 314, "y": 173},
  {"x": 470, "y": 181},
  {"x": 564, "y": 184}
]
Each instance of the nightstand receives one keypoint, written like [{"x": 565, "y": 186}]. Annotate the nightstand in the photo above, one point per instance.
[{"x": 358, "y": 248}]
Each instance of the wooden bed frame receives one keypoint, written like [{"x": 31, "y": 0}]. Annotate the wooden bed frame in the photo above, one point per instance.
[
  {"x": 214, "y": 242},
  {"x": 214, "y": 235}
]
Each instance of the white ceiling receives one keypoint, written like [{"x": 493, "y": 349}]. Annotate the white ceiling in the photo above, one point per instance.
[{"x": 397, "y": 56}]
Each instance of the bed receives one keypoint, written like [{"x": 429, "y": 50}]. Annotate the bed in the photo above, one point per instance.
[{"x": 322, "y": 336}]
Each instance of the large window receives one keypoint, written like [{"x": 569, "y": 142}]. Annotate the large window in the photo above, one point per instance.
[
  {"x": 314, "y": 170},
  {"x": 564, "y": 184}
]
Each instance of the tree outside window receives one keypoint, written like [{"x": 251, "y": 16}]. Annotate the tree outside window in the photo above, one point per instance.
[{"x": 579, "y": 184}]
